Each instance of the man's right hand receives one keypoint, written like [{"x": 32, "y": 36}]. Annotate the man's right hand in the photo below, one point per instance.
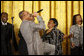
[{"x": 35, "y": 14}]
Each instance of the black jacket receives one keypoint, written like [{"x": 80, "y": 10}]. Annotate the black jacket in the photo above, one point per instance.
[
  {"x": 22, "y": 45},
  {"x": 6, "y": 36}
]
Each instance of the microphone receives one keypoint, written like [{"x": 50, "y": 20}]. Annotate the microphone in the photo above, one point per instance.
[
  {"x": 39, "y": 11},
  {"x": 12, "y": 18}
]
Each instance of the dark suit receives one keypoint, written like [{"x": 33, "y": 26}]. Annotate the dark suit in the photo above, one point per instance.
[
  {"x": 22, "y": 45},
  {"x": 6, "y": 36}
]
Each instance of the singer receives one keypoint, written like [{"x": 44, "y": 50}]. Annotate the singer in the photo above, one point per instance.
[
  {"x": 6, "y": 36},
  {"x": 30, "y": 33}
]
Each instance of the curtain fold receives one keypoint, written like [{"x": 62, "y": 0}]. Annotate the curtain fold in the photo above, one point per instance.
[{"x": 63, "y": 11}]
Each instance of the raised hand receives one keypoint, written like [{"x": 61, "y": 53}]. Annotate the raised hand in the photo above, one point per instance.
[{"x": 35, "y": 14}]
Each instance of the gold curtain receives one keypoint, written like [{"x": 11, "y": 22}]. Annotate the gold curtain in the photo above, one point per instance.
[{"x": 63, "y": 11}]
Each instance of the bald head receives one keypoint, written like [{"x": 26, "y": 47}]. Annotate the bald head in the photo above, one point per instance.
[
  {"x": 20, "y": 14},
  {"x": 24, "y": 15}
]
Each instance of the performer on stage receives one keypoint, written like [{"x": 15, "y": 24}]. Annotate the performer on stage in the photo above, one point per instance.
[
  {"x": 77, "y": 31},
  {"x": 6, "y": 36},
  {"x": 30, "y": 32},
  {"x": 54, "y": 36}
]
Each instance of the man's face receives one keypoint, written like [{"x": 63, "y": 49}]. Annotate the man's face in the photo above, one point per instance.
[
  {"x": 4, "y": 17},
  {"x": 78, "y": 19},
  {"x": 28, "y": 16},
  {"x": 51, "y": 24}
]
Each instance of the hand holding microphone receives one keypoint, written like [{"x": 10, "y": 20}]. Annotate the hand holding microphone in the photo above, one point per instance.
[{"x": 35, "y": 14}]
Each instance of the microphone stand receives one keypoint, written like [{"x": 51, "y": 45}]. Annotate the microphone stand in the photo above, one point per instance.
[
  {"x": 12, "y": 31},
  {"x": 12, "y": 26}
]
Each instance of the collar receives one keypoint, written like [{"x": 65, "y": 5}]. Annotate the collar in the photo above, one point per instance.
[
  {"x": 79, "y": 25},
  {"x": 3, "y": 23}
]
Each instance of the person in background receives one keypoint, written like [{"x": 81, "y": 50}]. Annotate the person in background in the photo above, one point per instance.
[
  {"x": 54, "y": 36},
  {"x": 7, "y": 40},
  {"x": 77, "y": 31}
]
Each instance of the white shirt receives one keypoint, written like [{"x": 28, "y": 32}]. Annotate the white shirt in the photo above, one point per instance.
[{"x": 4, "y": 23}]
